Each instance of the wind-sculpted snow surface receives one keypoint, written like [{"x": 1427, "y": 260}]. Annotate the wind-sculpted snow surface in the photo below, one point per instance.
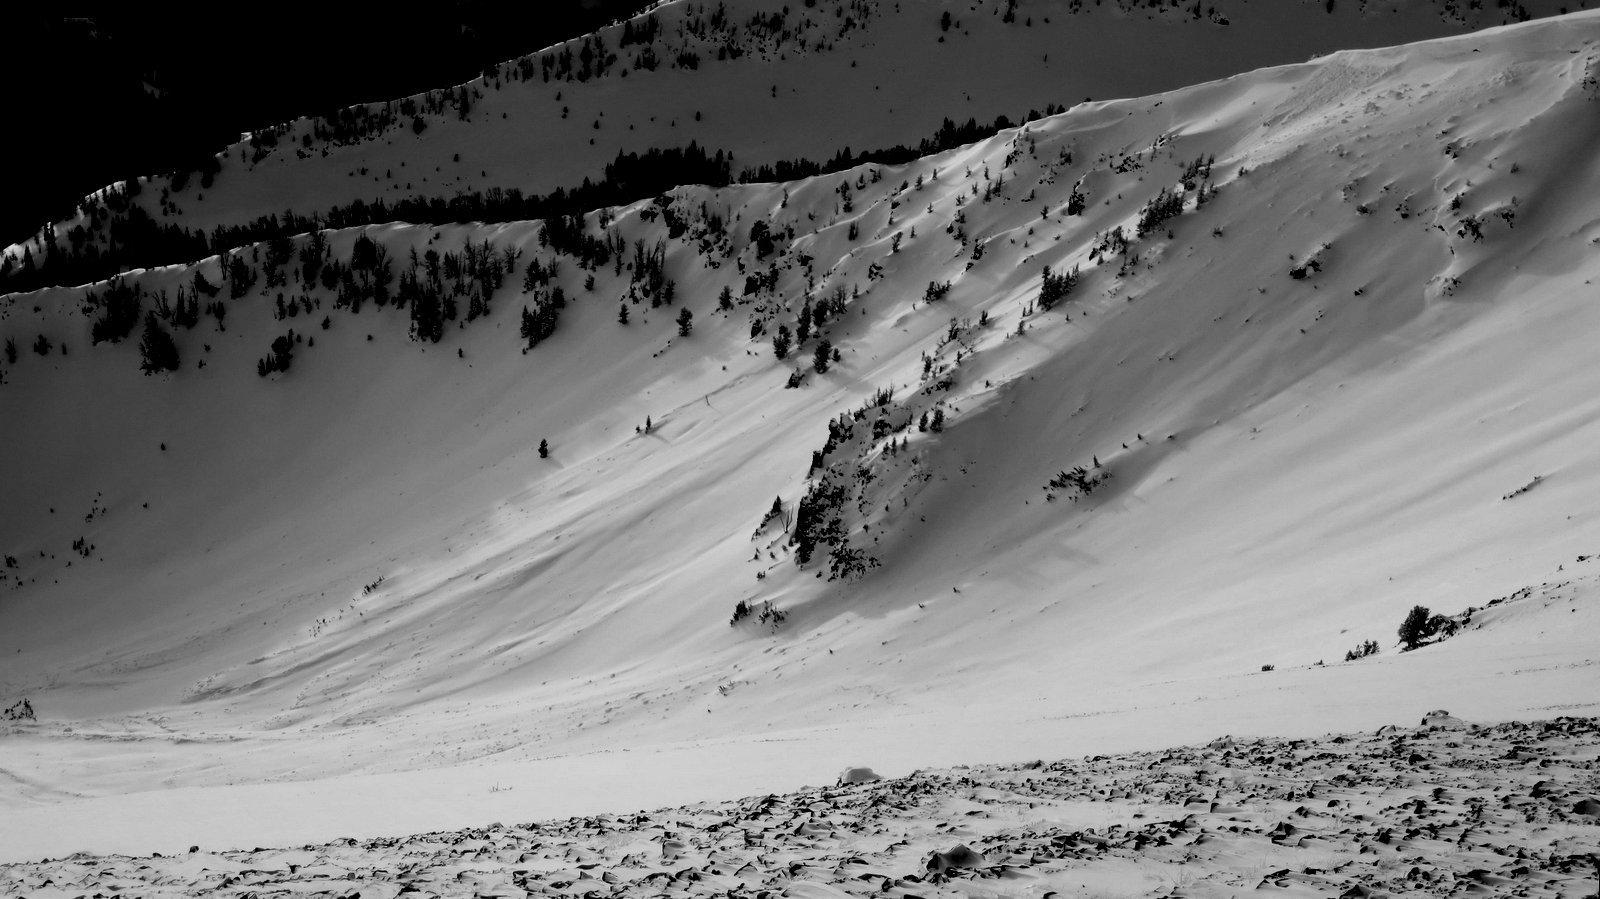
[{"x": 1446, "y": 809}]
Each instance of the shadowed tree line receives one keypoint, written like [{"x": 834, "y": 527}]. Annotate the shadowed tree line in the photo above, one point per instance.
[{"x": 121, "y": 234}]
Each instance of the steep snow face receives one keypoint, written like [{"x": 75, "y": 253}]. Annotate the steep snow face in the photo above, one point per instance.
[{"x": 1254, "y": 432}]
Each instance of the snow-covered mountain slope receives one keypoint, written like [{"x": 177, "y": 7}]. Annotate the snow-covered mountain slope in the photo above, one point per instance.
[
  {"x": 1304, "y": 407},
  {"x": 763, "y": 80}
]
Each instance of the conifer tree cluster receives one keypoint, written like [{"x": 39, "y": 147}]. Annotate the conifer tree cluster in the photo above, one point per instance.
[
  {"x": 539, "y": 322},
  {"x": 433, "y": 284},
  {"x": 1077, "y": 202},
  {"x": 649, "y": 279},
  {"x": 1077, "y": 482},
  {"x": 1055, "y": 288},
  {"x": 822, "y": 357},
  {"x": 279, "y": 355},
  {"x": 239, "y": 275},
  {"x": 1197, "y": 171},
  {"x": 817, "y": 519},
  {"x": 119, "y": 309},
  {"x": 157, "y": 350},
  {"x": 1167, "y": 204}
]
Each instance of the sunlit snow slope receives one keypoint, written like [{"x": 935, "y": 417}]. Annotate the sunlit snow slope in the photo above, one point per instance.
[{"x": 363, "y": 566}]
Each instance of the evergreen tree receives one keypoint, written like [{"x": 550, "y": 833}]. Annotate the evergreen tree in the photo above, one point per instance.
[
  {"x": 119, "y": 312},
  {"x": 156, "y": 349},
  {"x": 823, "y": 357},
  {"x": 937, "y": 424},
  {"x": 11, "y": 351},
  {"x": 1055, "y": 288},
  {"x": 186, "y": 312},
  {"x": 1416, "y": 627},
  {"x": 240, "y": 277},
  {"x": 427, "y": 319},
  {"x": 529, "y": 328},
  {"x": 280, "y": 354},
  {"x": 544, "y": 449},
  {"x": 685, "y": 322},
  {"x": 781, "y": 342},
  {"x": 622, "y": 314},
  {"x": 725, "y": 299}
]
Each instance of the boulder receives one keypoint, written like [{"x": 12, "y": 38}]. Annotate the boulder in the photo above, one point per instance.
[{"x": 858, "y": 776}]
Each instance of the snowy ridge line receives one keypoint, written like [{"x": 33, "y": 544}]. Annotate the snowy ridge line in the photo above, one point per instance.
[
  {"x": 1441, "y": 807},
  {"x": 289, "y": 172}
]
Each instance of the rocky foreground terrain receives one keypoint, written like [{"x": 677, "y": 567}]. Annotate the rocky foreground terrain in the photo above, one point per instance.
[{"x": 1446, "y": 808}]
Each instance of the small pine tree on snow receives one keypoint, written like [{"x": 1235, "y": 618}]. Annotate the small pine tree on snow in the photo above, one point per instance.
[
  {"x": 544, "y": 449},
  {"x": 622, "y": 314},
  {"x": 725, "y": 299},
  {"x": 922, "y": 423},
  {"x": 41, "y": 345},
  {"x": 685, "y": 322},
  {"x": 156, "y": 350},
  {"x": 11, "y": 351},
  {"x": 1416, "y": 628},
  {"x": 781, "y": 342},
  {"x": 938, "y": 421},
  {"x": 823, "y": 357},
  {"x": 1077, "y": 203}
]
